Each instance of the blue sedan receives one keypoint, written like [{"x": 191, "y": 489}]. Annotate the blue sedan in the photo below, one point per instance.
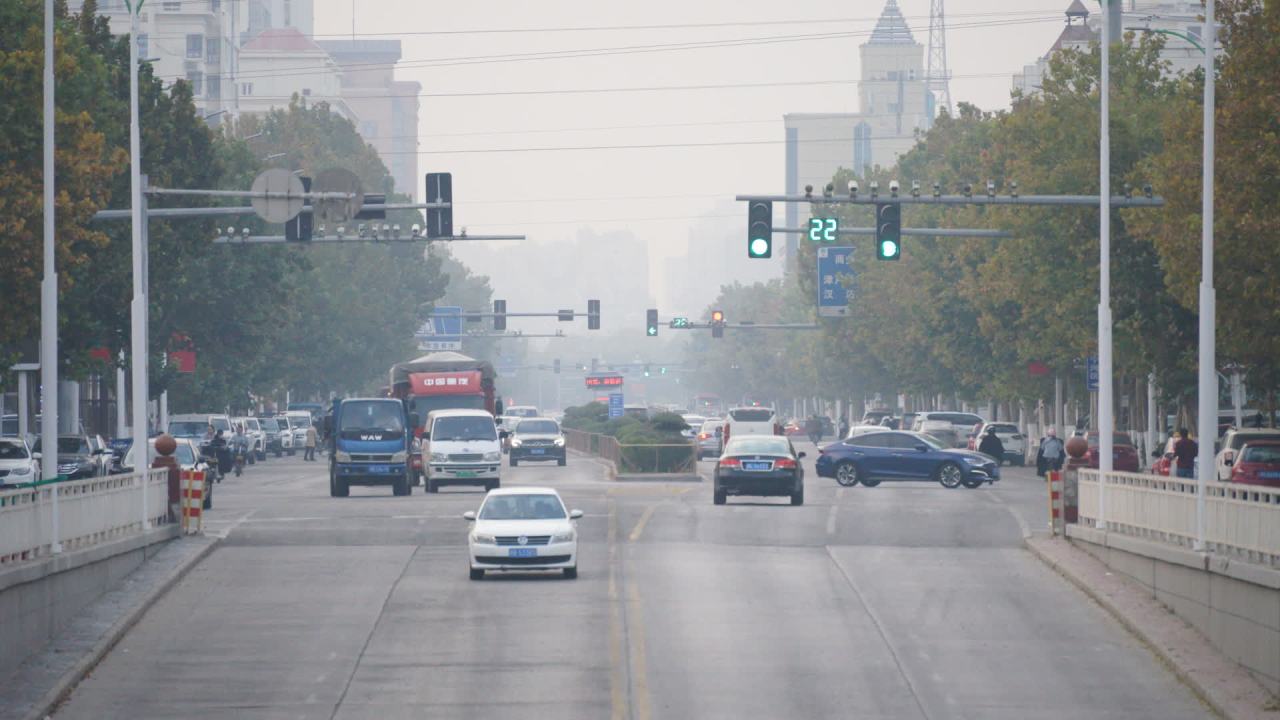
[{"x": 895, "y": 455}]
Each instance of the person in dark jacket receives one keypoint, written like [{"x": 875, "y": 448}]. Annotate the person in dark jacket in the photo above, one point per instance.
[
  {"x": 1184, "y": 454},
  {"x": 992, "y": 446}
]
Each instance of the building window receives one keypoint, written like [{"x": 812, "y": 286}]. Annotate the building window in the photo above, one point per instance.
[
  {"x": 196, "y": 78},
  {"x": 861, "y": 148},
  {"x": 171, "y": 5},
  {"x": 306, "y": 92},
  {"x": 213, "y": 51},
  {"x": 215, "y": 87},
  {"x": 195, "y": 46},
  {"x": 143, "y": 45},
  {"x": 246, "y": 89}
]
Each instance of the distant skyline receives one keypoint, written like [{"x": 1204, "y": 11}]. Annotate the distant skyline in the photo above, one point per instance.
[{"x": 731, "y": 137}]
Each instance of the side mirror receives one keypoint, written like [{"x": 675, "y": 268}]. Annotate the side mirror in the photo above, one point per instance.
[
  {"x": 36, "y": 456},
  {"x": 575, "y": 514},
  {"x": 800, "y": 455},
  {"x": 922, "y": 448},
  {"x": 470, "y": 514}
]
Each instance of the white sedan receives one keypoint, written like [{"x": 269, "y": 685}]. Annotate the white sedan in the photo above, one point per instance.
[{"x": 524, "y": 528}]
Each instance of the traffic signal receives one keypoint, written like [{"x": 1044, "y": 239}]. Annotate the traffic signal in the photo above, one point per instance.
[
  {"x": 662, "y": 370},
  {"x": 299, "y": 228},
  {"x": 888, "y": 231},
  {"x": 717, "y": 323},
  {"x": 439, "y": 190},
  {"x": 760, "y": 229},
  {"x": 651, "y": 322},
  {"x": 555, "y": 366},
  {"x": 593, "y": 314},
  {"x": 499, "y": 314},
  {"x": 646, "y": 371}
]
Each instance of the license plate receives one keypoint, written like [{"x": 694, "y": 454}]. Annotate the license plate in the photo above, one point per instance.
[
  {"x": 466, "y": 473},
  {"x": 538, "y": 451},
  {"x": 1269, "y": 474},
  {"x": 381, "y": 469},
  {"x": 522, "y": 552},
  {"x": 756, "y": 465}
]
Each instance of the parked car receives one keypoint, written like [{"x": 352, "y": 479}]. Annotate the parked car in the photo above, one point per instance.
[
  {"x": 940, "y": 430},
  {"x": 1124, "y": 454},
  {"x": 961, "y": 422},
  {"x": 873, "y": 417},
  {"x": 1014, "y": 442},
  {"x": 537, "y": 439},
  {"x": 765, "y": 465},
  {"x": 857, "y": 430},
  {"x": 1257, "y": 462},
  {"x": 1236, "y": 439},
  {"x": 271, "y": 432},
  {"x": 102, "y": 452},
  {"x": 898, "y": 455},
  {"x": 257, "y": 437},
  {"x": 287, "y": 434},
  {"x": 299, "y": 421},
  {"x": 709, "y": 438},
  {"x": 18, "y": 464},
  {"x": 187, "y": 453},
  {"x": 77, "y": 458}
]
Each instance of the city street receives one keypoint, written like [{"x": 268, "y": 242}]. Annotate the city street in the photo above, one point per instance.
[{"x": 901, "y": 601}]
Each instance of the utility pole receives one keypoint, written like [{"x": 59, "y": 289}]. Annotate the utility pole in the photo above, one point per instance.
[
  {"x": 138, "y": 335},
  {"x": 1208, "y": 380},
  {"x": 1106, "y": 420},
  {"x": 49, "y": 293}
]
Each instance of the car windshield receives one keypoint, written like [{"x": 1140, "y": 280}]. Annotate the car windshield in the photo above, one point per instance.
[
  {"x": 384, "y": 415},
  {"x": 757, "y": 444},
  {"x": 1003, "y": 429},
  {"x": 220, "y": 423},
  {"x": 711, "y": 426},
  {"x": 10, "y": 450},
  {"x": 522, "y": 412},
  {"x": 523, "y": 507},
  {"x": 300, "y": 420},
  {"x": 464, "y": 427},
  {"x": 187, "y": 428},
  {"x": 1268, "y": 454},
  {"x": 751, "y": 414},
  {"x": 269, "y": 424},
  {"x": 537, "y": 427},
  {"x": 73, "y": 446}
]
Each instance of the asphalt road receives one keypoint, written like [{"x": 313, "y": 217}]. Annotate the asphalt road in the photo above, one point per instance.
[{"x": 900, "y": 601}]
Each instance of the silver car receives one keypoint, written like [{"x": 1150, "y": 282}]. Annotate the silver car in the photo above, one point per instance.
[{"x": 710, "y": 438}]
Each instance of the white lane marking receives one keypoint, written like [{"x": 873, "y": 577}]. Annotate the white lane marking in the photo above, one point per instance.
[
  {"x": 831, "y": 519},
  {"x": 1017, "y": 516}
]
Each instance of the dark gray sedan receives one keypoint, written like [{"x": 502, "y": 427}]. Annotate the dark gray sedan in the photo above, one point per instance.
[{"x": 766, "y": 465}]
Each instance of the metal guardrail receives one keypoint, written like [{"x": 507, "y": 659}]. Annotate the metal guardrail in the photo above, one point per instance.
[
  {"x": 89, "y": 512},
  {"x": 1241, "y": 521},
  {"x": 635, "y": 458}
]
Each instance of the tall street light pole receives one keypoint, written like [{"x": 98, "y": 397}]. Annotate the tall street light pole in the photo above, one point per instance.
[
  {"x": 49, "y": 294},
  {"x": 1208, "y": 381},
  {"x": 138, "y": 335},
  {"x": 1106, "y": 419}
]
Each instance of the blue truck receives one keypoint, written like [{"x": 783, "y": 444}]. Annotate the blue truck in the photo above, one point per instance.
[{"x": 371, "y": 443}]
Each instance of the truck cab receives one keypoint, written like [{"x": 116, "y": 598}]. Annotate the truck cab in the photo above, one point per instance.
[
  {"x": 372, "y": 439},
  {"x": 461, "y": 447}
]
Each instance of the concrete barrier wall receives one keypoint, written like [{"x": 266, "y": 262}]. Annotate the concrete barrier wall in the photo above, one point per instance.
[
  {"x": 39, "y": 598},
  {"x": 1236, "y": 605}
]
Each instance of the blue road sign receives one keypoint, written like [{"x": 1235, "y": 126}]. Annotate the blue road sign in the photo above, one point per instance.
[
  {"x": 615, "y": 405},
  {"x": 446, "y": 329},
  {"x": 835, "y": 281},
  {"x": 1091, "y": 373}
]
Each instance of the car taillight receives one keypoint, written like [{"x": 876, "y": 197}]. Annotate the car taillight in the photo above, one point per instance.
[
  {"x": 784, "y": 464},
  {"x": 730, "y": 462},
  {"x": 704, "y": 436}
]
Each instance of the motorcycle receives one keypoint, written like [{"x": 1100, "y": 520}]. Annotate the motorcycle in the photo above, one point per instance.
[{"x": 239, "y": 460}]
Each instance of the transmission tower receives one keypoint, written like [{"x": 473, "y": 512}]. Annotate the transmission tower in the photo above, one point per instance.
[{"x": 937, "y": 76}]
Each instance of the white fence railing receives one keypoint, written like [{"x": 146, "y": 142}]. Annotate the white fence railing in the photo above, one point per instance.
[
  {"x": 1240, "y": 520},
  {"x": 89, "y": 512}
]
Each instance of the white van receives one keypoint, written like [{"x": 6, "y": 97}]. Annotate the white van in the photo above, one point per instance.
[
  {"x": 751, "y": 421},
  {"x": 299, "y": 421},
  {"x": 461, "y": 447},
  {"x": 964, "y": 424}
]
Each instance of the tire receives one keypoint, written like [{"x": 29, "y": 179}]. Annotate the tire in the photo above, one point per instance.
[
  {"x": 571, "y": 573},
  {"x": 477, "y": 573},
  {"x": 847, "y": 474},
  {"x": 432, "y": 487},
  {"x": 400, "y": 487},
  {"x": 562, "y": 461},
  {"x": 513, "y": 462},
  {"x": 949, "y": 475},
  {"x": 292, "y": 452},
  {"x": 333, "y": 490},
  {"x": 797, "y": 498},
  {"x": 1021, "y": 462},
  {"x": 720, "y": 497},
  {"x": 341, "y": 488}
]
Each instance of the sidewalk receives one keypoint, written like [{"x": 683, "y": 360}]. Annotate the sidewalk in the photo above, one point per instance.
[
  {"x": 45, "y": 679},
  {"x": 1223, "y": 685}
]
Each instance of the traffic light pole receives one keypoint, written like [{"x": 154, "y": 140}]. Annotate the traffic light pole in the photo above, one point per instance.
[
  {"x": 917, "y": 232},
  {"x": 1116, "y": 201},
  {"x": 380, "y": 240}
]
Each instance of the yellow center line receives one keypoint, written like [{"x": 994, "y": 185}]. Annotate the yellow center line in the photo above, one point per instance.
[
  {"x": 639, "y": 666},
  {"x": 642, "y": 522}
]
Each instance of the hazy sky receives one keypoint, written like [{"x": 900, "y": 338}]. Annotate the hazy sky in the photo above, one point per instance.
[{"x": 549, "y": 195}]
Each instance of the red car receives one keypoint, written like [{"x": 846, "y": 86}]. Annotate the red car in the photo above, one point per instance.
[
  {"x": 1258, "y": 464},
  {"x": 1124, "y": 456}
]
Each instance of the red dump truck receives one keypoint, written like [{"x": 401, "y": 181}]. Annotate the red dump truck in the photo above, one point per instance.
[{"x": 445, "y": 380}]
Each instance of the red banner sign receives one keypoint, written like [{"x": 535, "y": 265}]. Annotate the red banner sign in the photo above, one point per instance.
[
  {"x": 184, "y": 360},
  {"x": 594, "y": 381},
  {"x": 445, "y": 383}
]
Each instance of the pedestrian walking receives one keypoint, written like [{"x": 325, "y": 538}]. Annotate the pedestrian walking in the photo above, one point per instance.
[
  {"x": 1051, "y": 453},
  {"x": 310, "y": 454},
  {"x": 1184, "y": 454},
  {"x": 991, "y": 446}
]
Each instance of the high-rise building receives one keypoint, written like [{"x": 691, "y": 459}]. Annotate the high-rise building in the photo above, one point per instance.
[
  {"x": 277, "y": 63},
  {"x": 894, "y": 102}
]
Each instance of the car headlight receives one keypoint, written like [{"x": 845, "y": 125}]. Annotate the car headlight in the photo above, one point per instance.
[
  {"x": 20, "y": 471},
  {"x": 399, "y": 457},
  {"x": 559, "y": 442},
  {"x": 439, "y": 457},
  {"x": 975, "y": 461},
  {"x": 515, "y": 442},
  {"x": 568, "y": 536},
  {"x": 481, "y": 539},
  {"x": 494, "y": 456},
  {"x": 342, "y": 456}
]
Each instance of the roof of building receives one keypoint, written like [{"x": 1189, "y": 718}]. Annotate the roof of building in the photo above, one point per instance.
[
  {"x": 1077, "y": 9},
  {"x": 891, "y": 28},
  {"x": 343, "y": 48},
  {"x": 282, "y": 39},
  {"x": 1074, "y": 34}
]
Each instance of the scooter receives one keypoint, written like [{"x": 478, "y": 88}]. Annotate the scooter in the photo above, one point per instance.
[{"x": 239, "y": 462}]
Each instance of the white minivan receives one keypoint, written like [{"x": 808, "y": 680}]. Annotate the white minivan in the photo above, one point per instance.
[{"x": 461, "y": 447}]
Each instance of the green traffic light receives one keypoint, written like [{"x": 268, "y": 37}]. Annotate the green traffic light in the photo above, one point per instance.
[
  {"x": 653, "y": 330},
  {"x": 760, "y": 248},
  {"x": 888, "y": 250}
]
